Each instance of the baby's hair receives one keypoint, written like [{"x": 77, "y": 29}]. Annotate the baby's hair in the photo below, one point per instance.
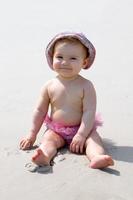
[{"x": 71, "y": 40}]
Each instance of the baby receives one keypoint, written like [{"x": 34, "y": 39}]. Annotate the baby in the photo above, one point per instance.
[{"x": 72, "y": 102}]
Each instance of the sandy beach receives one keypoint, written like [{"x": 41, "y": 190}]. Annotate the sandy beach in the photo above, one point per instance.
[{"x": 26, "y": 28}]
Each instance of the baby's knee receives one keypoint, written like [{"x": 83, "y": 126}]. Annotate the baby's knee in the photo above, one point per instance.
[
  {"x": 50, "y": 142},
  {"x": 50, "y": 137}
]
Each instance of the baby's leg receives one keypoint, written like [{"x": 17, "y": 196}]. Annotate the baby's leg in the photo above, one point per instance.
[
  {"x": 96, "y": 153},
  {"x": 48, "y": 148}
]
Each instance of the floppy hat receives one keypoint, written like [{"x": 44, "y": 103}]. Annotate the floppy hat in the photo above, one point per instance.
[{"x": 81, "y": 37}]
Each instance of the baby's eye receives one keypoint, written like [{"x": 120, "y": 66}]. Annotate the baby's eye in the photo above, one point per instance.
[
  {"x": 73, "y": 58},
  {"x": 60, "y": 57}
]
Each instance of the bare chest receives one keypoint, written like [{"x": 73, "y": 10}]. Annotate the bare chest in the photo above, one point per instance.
[{"x": 62, "y": 94}]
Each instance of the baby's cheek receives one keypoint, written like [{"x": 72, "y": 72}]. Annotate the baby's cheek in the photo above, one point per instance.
[{"x": 56, "y": 63}]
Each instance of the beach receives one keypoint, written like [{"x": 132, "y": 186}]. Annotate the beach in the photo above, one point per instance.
[{"x": 26, "y": 29}]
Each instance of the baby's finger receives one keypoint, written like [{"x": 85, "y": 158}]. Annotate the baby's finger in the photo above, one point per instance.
[
  {"x": 25, "y": 145},
  {"x": 81, "y": 148},
  {"x": 72, "y": 147},
  {"x": 21, "y": 144},
  {"x": 77, "y": 148}
]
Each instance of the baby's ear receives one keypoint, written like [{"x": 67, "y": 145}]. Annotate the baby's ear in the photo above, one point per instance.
[{"x": 85, "y": 63}]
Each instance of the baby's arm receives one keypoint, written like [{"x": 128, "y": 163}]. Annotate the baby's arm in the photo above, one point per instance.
[
  {"x": 88, "y": 117},
  {"x": 89, "y": 110},
  {"x": 37, "y": 119}
]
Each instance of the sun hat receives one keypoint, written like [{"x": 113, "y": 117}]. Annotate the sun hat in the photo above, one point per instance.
[{"x": 80, "y": 36}]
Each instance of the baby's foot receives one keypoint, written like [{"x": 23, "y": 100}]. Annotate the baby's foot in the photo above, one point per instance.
[
  {"x": 39, "y": 158},
  {"x": 101, "y": 161}
]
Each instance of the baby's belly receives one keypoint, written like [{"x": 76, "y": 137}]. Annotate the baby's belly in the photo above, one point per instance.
[{"x": 67, "y": 117}]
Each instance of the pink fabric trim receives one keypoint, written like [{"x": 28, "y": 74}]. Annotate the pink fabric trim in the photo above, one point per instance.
[{"x": 68, "y": 132}]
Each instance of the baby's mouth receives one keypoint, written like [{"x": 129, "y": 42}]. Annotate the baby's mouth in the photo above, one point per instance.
[{"x": 65, "y": 68}]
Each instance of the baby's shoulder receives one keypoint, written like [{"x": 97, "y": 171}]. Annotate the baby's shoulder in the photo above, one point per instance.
[
  {"x": 48, "y": 83},
  {"x": 45, "y": 87},
  {"x": 86, "y": 82}
]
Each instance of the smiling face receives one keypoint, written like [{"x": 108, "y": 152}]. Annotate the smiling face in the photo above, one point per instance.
[{"x": 69, "y": 58}]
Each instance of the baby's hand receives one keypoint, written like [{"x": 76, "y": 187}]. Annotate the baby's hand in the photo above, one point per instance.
[
  {"x": 77, "y": 144},
  {"x": 27, "y": 142}
]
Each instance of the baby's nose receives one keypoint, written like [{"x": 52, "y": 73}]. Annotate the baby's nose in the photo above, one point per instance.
[{"x": 64, "y": 62}]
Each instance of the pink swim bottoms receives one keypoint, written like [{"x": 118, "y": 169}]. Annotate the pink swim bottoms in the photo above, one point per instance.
[{"x": 68, "y": 132}]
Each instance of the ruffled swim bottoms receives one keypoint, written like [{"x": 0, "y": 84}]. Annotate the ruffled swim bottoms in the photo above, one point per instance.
[{"x": 68, "y": 132}]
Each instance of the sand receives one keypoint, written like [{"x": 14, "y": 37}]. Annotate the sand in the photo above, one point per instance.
[{"x": 26, "y": 27}]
